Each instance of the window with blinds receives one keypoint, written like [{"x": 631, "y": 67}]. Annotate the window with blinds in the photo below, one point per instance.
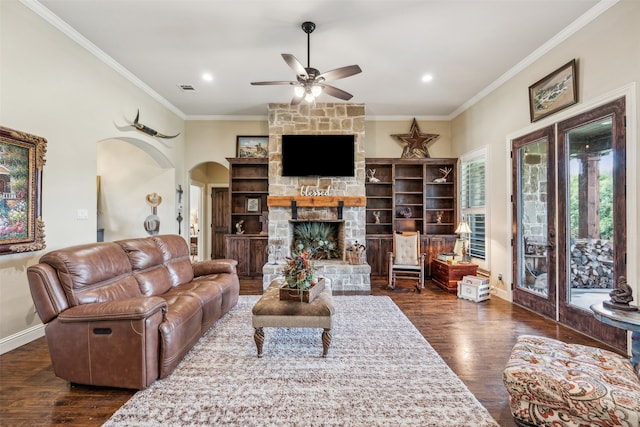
[{"x": 472, "y": 200}]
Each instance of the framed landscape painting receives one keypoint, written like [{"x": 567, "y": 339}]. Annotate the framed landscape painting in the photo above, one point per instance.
[
  {"x": 252, "y": 146},
  {"x": 253, "y": 204},
  {"x": 22, "y": 157},
  {"x": 554, "y": 92}
]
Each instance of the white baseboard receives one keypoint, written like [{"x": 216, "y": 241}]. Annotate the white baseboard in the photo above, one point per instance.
[
  {"x": 21, "y": 338},
  {"x": 501, "y": 293}
]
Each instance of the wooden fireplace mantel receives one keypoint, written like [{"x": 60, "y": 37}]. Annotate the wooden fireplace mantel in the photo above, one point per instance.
[{"x": 316, "y": 201}]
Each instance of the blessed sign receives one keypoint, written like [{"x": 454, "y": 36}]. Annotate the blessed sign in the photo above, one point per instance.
[{"x": 314, "y": 191}]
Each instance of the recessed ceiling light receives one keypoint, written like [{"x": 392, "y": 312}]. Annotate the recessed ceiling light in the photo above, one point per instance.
[
  {"x": 427, "y": 78},
  {"x": 207, "y": 77}
]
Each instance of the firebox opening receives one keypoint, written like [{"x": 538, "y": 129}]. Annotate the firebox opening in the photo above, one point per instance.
[{"x": 325, "y": 239}]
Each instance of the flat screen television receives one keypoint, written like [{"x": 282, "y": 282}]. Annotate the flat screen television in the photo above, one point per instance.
[{"x": 318, "y": 155}]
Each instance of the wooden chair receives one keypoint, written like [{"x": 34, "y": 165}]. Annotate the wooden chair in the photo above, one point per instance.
[{"x": 406, "y": 261}]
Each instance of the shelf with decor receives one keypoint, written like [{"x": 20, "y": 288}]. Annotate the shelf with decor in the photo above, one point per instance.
[
  {"x": 379, "y": 192},
  {"x": 248, "y": 192},
  {"x": 410, "y": 195}
]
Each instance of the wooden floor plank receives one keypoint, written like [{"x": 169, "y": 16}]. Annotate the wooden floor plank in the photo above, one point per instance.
[{"x": 474, "y": 339}]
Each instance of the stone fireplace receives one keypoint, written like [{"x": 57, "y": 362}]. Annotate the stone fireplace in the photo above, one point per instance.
[{"x": 341, "y": 200}]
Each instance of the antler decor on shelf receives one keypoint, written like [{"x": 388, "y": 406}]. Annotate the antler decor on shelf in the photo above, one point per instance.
[{"x": 445, "y": 173}]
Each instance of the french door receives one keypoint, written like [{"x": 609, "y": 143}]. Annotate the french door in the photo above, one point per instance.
[
  {"x": 534, "y": 232},
  {"x": 592, "y": 214},
  {"x": 560, "y": 271}
]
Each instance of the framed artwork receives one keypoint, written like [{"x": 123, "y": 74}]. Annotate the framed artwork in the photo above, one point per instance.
[
  {"x": 22, "y": 157},
  {"x": 253, "y": 204},
  {"x": 252, "y": 146},
  {"x": 554, "y": 92}
]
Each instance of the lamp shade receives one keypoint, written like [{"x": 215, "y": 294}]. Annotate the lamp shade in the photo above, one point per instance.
[{"x": 463, "y": 228}]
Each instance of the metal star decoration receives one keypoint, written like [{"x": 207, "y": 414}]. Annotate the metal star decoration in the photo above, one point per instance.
[{"x": 415, "y": 142}]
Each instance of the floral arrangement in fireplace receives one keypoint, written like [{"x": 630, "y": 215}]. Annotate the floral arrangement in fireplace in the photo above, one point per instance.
[
  {"x": 319, "y": 238},
  {"x": 298, "y": 271}
]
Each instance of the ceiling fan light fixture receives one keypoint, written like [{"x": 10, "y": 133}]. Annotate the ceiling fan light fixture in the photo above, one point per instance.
[
  {"x": 310, "y": 82},
  {"x": 309, "y": 97}
]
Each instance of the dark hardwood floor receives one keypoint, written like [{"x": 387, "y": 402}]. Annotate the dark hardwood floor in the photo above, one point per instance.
[{"x": 475, "y": 340}]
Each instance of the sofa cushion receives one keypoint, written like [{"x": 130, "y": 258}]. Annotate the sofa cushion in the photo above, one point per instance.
[
  {"x": 554, "y": 383},
  {"x": 175, "y": 252},
  {"x": 179, "y": 331},
  {"x": 95, "y": 272},
  {"x": 147, "y": 262}
]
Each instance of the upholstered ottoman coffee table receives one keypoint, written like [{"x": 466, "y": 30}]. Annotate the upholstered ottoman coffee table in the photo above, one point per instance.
[{"x": 270, "y": 312}]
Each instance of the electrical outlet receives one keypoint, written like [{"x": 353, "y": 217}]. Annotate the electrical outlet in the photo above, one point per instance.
[
  {"x": 500, "y": 277},
  {"x": 82, "y": 214}
]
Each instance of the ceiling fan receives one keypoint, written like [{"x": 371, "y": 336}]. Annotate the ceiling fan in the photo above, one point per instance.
[{"x": 310, "y": 83}]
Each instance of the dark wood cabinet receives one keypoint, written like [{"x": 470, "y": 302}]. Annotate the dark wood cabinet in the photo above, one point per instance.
[
  {"x": 248, "y": 192},
  {"x": 249, "y": 251},
  {"x": 409, "y": 195},
  {"x": 447, "y": 275}
]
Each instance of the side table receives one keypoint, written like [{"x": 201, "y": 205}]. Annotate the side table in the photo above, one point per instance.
[
  {"x": 629, "y": 320},
  {"x": 447, "y": 276}
]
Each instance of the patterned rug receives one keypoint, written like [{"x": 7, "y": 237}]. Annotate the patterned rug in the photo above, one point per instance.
[{"x": 380, "y": 371}]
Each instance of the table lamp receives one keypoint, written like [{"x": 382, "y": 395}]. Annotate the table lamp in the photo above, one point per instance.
[{"x": 464, "y": 231}]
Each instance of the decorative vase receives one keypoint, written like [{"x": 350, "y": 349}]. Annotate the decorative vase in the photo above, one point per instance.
[{"x": 306, "y": 295}]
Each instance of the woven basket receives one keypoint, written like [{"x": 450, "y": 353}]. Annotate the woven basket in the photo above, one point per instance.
[{"x": 357, "y": 257}]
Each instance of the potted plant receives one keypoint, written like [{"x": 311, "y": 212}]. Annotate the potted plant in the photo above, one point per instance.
[{"x": 299, "y": 277}]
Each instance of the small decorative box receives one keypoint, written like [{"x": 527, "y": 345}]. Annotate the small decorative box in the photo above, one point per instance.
[
  {"x": 474, "y": 292},
  {"x": 475, "y": 280}
]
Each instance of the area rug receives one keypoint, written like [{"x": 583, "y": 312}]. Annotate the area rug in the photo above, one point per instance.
[{"x": 380, "y": 371}]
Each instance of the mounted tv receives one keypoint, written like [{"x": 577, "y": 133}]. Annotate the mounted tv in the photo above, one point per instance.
[{"x": 318, "y": 155}]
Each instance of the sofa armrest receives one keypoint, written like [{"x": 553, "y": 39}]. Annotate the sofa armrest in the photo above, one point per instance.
[
  {"x": 214, "y": 266},
  {"x": 126, "y": 309}
]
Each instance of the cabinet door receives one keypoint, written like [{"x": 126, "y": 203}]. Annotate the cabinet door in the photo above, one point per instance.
[
  {"x": 377, "y": 253},
  {"x": 238, "y": 249},
  {"x": 257, "y": 256}
]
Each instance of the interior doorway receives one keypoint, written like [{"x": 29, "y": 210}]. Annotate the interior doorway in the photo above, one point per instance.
[
  {"x": 221, "y": 221},
  {"x": 195, "y": 216},
  {"x": 207, "y": 176}
]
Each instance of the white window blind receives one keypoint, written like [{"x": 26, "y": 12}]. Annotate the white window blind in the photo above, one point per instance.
[{"x": 472, "y": 200}]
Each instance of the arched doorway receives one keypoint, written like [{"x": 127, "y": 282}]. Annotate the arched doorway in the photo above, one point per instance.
[
  {"x": 128, "y": 170},
  {"x": 211, "y": 180}
]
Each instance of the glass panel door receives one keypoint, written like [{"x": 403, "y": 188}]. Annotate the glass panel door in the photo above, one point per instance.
[
  {"x": 592, "y": 210},
  {"x": 534, "y": 212}
]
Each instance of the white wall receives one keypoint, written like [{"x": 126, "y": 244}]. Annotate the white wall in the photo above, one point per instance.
[
  {"x": 52, "y": 87},
  {"x": 121, "y": 166},
  {"x": 608, "y": 55}
]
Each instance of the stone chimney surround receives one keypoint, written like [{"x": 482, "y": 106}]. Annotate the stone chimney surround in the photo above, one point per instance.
[{"x": 319, "y": 199}]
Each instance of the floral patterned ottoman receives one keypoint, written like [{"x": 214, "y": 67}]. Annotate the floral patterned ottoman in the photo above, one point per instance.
[{"x": 551, "y": 383}]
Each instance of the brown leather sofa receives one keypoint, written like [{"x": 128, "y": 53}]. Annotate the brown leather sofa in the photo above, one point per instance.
[{"x": 125, "y": 313}]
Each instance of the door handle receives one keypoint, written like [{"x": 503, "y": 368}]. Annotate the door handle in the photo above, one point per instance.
[{"x": 551, "y": 246}]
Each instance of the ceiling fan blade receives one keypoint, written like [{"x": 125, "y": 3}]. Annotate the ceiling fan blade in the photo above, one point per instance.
[
  {"x": 335, "y": 92},
  {"x": 296, "y": 100},
  {"x": 295, "y": 65},
  {"x": 340, "y": 73},
  {"x": 274, "y": 83}
]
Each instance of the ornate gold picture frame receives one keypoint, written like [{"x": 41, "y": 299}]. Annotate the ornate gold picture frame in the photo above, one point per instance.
[{"x": 22, "y": 157}]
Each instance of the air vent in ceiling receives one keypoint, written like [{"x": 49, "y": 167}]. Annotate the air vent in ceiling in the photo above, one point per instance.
[{"x": 187, "y": 88}]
